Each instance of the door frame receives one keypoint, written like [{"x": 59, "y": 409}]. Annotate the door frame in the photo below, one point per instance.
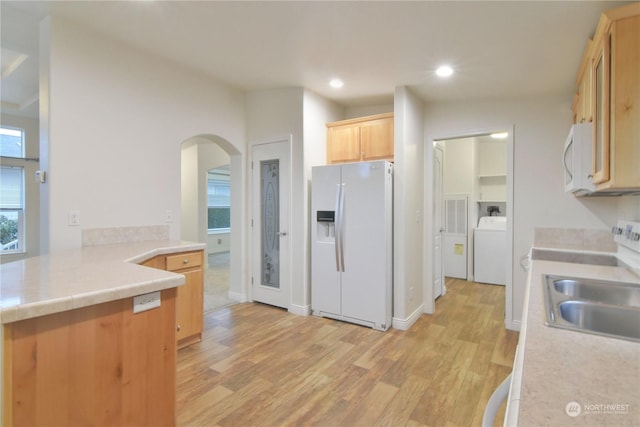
[
  {"x": 252, "y": 242},
  {"x": 429, "y": 256},
  {"x": 438, "y": 224}
]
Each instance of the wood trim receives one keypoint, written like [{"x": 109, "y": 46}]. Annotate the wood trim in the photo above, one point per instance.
[
  {"x": 585, "y": 63},
  {"x": 623, "y": 12},
  {"x": 602, "y": 174}
]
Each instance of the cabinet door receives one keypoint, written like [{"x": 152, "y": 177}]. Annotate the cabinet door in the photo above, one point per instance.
[
  {"x": 601, "y": 82},
  {"x": 343, "y": 144},
  {"x": 624, "y": 146},
  {"x": 376, "y": 139},
  {"x": 189, "y": 307}
]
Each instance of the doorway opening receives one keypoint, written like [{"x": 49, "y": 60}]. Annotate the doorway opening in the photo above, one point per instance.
[
  {"x": 207, "y": 209},
  {"x": 475, "y": 181}
]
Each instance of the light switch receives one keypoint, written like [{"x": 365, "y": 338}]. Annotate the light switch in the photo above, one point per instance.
[{"x": 74, "y": 218}]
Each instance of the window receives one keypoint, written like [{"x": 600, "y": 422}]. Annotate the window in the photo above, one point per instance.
[
  {"x": 11, "y": 191},
  {"x": 11, "y": 142},
  {"x": 219, "y": 201}
]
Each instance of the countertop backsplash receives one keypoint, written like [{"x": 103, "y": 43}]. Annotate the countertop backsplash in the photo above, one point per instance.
[
  {"x": 577, "y": 239},
  {"x": 114, "y": 235}
]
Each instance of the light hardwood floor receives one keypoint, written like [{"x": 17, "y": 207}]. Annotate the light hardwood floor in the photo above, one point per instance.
[
  {"x": 216, "y": 283},
  {"x": 261, "y": 366}
]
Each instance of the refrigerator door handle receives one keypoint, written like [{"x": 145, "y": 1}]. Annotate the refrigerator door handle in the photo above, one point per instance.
[
  {"x": 342, "y": 191},
  {"x": 336, "y": 236}
]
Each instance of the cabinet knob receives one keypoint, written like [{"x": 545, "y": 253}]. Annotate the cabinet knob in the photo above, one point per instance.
[
  {"x": 178, "y": 328},
  {"x": 186, "y": 261}
]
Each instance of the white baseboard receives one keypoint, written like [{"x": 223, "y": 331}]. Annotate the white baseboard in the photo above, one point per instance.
[
  {"x": 514, "y": 325},
  {"x": 237, "y": 296},
  {"x": 300, "y": 310},
  {"x": 405, "y": 324}
]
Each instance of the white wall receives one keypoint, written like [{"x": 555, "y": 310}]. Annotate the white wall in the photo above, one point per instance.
[
  {"x": 408, "y": 204},
  {"x": 189, "y": 189},
  {"x": 118, "y": 117},
  {"x": 459, "y": 166},
  {"x": 541, "y": 125},
  {"x": 492, "y": 157},
  {"x": 32, "y": 188},
  {"x": 629, "y": 208}
]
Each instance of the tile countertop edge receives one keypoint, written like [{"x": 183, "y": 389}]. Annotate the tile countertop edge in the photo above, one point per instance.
[
  {"x": 533, "y": 401},
  {"x": 160, "y": 280},
  {"x": 171, "y": 248}
]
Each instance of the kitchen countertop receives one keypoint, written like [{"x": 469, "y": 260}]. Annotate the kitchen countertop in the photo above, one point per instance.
[
  {"x": 557, "y": 371},
  {"x": 69, "y": 279}
]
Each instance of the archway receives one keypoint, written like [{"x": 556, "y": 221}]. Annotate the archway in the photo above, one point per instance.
[{"x": 211, "y": 164}]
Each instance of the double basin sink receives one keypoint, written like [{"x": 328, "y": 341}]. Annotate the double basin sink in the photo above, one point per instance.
[{"x": 594, "y": 306}]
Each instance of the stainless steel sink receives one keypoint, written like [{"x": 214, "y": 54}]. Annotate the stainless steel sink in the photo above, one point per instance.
[
  {"x": 599, "y": 291},
  {"x": 593, "y": 306},
  {"x": 603, "y": 319}
]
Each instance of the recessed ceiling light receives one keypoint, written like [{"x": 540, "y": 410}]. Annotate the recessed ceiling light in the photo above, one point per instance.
[
  {"x": 444, "y": 71},
  {"x": 500, "y": 135},
  {"x": 336, "y": 83}
]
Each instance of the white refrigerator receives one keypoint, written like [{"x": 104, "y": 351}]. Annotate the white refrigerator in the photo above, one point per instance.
[{"x": 352, "y": 243}]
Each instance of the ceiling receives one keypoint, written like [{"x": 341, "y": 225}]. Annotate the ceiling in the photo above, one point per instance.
[{"x": 499, "y": 50}]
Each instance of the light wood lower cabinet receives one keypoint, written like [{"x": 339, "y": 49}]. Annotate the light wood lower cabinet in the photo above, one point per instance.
[
  {"x": 96, "y": 365},
  {"x": 190, "y": 299}
]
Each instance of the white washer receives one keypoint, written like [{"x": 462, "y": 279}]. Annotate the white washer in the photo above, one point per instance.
[{"x": 490, "y": 250}]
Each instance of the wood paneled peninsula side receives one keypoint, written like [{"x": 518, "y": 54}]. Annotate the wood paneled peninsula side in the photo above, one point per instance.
[{"x": 73, "y": 350}]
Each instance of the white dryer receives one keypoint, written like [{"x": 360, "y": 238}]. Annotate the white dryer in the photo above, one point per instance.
[{"x": 490, "y": 250}]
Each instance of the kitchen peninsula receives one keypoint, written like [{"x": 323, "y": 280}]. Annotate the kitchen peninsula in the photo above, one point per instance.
[{"x": 74, "y": 350}]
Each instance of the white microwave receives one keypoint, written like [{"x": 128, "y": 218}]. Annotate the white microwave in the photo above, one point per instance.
[{"x": 577, "y": 159}]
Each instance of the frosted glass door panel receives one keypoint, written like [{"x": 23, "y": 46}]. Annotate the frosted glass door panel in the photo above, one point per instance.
[{"x": 269, "y": 191}]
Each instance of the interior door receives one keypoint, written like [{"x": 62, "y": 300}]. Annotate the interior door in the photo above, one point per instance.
[
  {"x": 438, "y": 228},
  {"x": 454, "y": 240},
  {"x": 271, "y": 183}
]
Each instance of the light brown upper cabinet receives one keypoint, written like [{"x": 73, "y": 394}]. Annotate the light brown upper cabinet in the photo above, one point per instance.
[
  {"x": 361, "y": 139},
  {"x": 615, "y": 99}
]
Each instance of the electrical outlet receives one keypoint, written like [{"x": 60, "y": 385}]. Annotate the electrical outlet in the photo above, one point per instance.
[
  {"x": 74, "y": 218},
  {"x": 146, "y": 302},
  {"x": 168, "y": 216}
]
